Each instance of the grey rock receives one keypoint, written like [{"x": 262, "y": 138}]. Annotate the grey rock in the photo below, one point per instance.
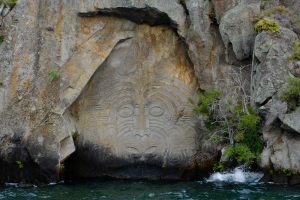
[
  {"x": 274, "y": 109},
  {"x": 291, "y": 121},
  {"x": 237, "y": 30},
  {"x": 270, "y": 68},
  {"x": 270, "y": 4},
  {"x": 152, "y": 11},
  {"x": 221, "y": 7},
  {"x": 293, "y": 5},
  {"x": 4, "y": 9},
  {"x": 281, "y": 152}
]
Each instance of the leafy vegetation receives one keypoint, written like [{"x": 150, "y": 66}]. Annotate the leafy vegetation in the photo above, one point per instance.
[
  {"x": 61, "y": 166},
  {"x": 241, "y": 152},
  {"x": 291, "y": 91},
  {"x": 235, "y": 125},
  {"x": 9, "y": 2},
  {"x": 219, "y": 167},
  {"x": 20, "y": 164},
  {"x": 54, "y": 73},
  {"x": 266, "y": 24}
]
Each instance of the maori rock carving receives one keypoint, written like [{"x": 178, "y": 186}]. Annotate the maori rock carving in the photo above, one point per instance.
[{"x": 136, "y": 105}]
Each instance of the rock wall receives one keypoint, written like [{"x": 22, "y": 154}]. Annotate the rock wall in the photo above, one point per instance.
[{"x": 123, "y": 72}]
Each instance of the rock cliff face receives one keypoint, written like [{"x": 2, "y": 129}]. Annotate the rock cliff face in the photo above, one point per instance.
[{"x": 104, "y": 86}]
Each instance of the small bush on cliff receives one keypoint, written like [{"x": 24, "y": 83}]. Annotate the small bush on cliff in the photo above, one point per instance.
[
  {"x": 266, "y": 24},
  {"x": 236, "y": 125},
  {"x": 54, "y": 73},
  {"x": 9, "y": 2},
  {"x": 241, "y": 152},
  {"x": 291, "y": 91},
  {"x": 20, "y": 164}
]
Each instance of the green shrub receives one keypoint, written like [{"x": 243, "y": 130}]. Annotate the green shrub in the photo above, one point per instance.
[
  {"x": 9, "y": 2},
  {"x": 244, "y": 154},
  {"x": 206, "y": 99},
  {"x": 241, "y": 153},
  {"x": 292, "y": 90},
  {"x": 234, "y": 124},
  {"x": 218, "y": 167},
  {"x": 20, "y": 164},
  {"x": 54, "y": 73},
  {"x": 61, "y": 166},
  {"x": 296, "y": 51},
  {"x": 266, "y": 24}
]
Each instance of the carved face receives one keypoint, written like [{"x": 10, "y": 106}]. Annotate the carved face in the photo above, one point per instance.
[{"x": 137, "y": 107}]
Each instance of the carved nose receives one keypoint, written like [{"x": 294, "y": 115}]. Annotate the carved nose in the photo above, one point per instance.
[{"x": 142, "y": 121}]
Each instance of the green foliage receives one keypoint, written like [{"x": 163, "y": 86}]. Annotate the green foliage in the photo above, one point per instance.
[
  {"x": 9, "y": 2},
  {"x": 215, "y": 138},
  {"x": 1, "y": 39},
  {"x": 61, "y": 166},
  {"x": 234, "y": 124},
  {"x": 244, "y": 154},
  {"x": 75, "y": 135},
  {"x": 240, "y": 152},
  {"x": 296, "y": 51},
  {"x": 239, "y": 136},
  {"x": 266, "y": 24},
  {"x": 54, "y": 73},
  {"x": 292, "y": 90},
  {"x": 20, "y": 164},
  {"x": 206, "y": 99},
  {"x": 288, "y": 172},
  {"x": 218, "y": 167},
  {"x": 249, "y": 122}
]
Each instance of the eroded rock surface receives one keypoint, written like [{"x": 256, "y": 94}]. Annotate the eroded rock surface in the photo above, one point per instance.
[
  {"x": 271, "y": 64},
  {"x": 237, "y": 30}
]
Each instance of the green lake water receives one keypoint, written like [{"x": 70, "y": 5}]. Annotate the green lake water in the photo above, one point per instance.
[{"x": 135, "y": 190}]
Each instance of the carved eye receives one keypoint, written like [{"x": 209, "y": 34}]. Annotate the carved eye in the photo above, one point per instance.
[
  {"x": 156, "y": 111},
  {"x": 126, "y": 111}
]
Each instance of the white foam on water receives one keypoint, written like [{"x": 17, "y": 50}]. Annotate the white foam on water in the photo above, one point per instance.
[{"x": 237, "y": 175}]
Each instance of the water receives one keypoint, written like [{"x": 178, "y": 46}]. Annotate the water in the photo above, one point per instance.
[
  {"x": 238, "y": 175},
  {"x": 230, "y": 185}
]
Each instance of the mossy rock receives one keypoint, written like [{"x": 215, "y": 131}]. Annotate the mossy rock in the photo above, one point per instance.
[{"x": 266, "y": 24}]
